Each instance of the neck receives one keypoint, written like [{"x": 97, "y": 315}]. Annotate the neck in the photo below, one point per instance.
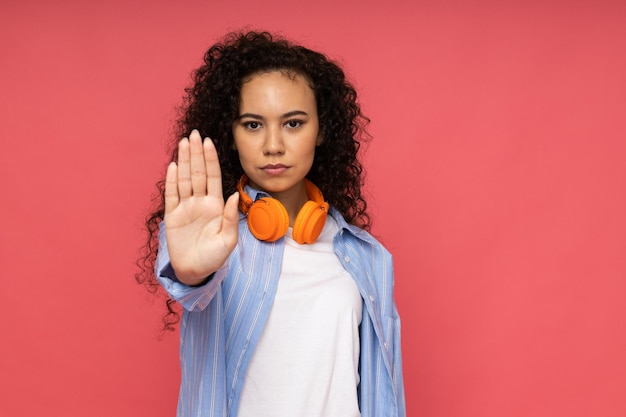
[{"x": 292, "y": 200}]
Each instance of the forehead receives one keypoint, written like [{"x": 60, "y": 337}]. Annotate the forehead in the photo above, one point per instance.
[{"x": 276, "y": 89}]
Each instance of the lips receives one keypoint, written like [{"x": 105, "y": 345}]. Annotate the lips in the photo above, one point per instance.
[{"x": 274, "y": 169}]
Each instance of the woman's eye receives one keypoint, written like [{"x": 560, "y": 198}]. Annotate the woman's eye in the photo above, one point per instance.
[
  {"x": 293, "y": 124},
  {"x": 252, "y": 125}
]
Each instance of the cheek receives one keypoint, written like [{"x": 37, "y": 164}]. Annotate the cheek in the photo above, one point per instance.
[{"x": 246, "y": 155}]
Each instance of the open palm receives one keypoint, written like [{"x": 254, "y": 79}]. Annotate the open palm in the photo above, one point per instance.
[{"x": 201, "y": 230}]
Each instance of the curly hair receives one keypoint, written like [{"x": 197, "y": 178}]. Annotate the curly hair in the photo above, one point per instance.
[{"x": 211, "y": 105}]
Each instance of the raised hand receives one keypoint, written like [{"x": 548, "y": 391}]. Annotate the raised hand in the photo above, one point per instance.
[{"x": 201, "y": 230}]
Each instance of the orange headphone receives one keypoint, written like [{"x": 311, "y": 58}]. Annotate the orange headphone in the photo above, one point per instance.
[{"x": 268, "y": 219}]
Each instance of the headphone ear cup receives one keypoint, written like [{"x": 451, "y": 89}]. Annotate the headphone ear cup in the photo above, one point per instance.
[
  {"x": 268, "y": 220},
  {"x": 310, "y": 222}
]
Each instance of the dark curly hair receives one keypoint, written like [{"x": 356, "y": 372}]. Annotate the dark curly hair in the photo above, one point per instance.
[{"x": 212, "y": 105}]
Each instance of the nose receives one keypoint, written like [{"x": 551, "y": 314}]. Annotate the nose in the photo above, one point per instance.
[{"x": 273, "y": 144}]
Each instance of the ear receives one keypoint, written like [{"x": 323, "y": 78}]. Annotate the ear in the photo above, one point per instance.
[{"x": 320, "y": 139}]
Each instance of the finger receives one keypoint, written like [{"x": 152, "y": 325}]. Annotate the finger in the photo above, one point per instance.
[
  {"x": 230, "y": 224},
  {"x": 184, "y": 176},
  {"x": 171, "y": 188},
  {"x": 212, "y": 166},
  {"x": 197, "y": 164}
]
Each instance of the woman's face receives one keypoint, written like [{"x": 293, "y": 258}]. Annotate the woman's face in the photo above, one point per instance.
[{"x": 276, "y": 133}]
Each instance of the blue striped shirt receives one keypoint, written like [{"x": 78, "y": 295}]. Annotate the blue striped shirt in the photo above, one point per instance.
[{"x": 223, "y": 320}]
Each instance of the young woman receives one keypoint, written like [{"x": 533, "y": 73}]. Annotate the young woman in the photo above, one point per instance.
[{"x": 261, "y": 237}]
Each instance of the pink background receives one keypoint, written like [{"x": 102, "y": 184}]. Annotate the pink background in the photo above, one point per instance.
[{"x": 497, "y": 179}]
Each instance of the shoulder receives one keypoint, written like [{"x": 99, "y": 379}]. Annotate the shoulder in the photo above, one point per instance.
[{"x": 355, "y": 234}]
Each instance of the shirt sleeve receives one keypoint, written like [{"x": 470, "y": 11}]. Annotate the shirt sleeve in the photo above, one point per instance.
[
  {"x": 397, "y": 366},
  {"x": 190, "y": 298}
]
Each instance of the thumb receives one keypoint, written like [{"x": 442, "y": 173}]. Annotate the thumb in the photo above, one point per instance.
[{"x": 230, "y": 223}]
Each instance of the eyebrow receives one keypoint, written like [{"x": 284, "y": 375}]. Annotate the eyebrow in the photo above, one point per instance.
[{"x": 284, "y": 116}]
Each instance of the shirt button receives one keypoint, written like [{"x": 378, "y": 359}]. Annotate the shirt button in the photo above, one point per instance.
[
  {"x": 346, "y": 258},
  {"x": 385, "y": 345},
  {"x": 372, "y": 298}
]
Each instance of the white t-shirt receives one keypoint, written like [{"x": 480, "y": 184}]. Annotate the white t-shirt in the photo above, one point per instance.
[{"x": 306, "y": 362}]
